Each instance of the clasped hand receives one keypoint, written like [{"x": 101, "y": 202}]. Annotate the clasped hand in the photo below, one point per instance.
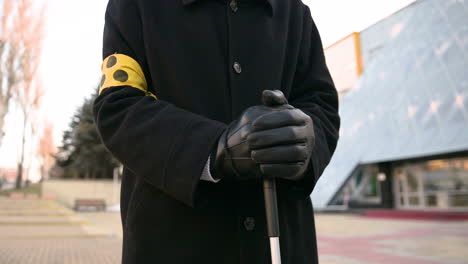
[{"x": 274, "y": 140}]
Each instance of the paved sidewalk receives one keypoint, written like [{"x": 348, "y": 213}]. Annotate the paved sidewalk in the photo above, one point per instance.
[
  {"x": 60, "y": 251},
  {"x": 44, "y": 232},
  {"x": 107, "y": 222},
  {"x": 360, "y": 240},
  {"x": 348, "y": 239}
]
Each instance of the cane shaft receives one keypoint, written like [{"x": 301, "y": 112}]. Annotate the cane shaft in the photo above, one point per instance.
[
  {"x": 271, "y": 207},
  {"x": 275, "y": 250}
]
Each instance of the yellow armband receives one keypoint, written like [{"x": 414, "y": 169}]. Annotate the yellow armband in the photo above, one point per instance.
[{"x": 122, "y": 70}]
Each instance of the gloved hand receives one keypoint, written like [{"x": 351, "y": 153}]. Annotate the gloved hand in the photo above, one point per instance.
[
  {"x": 233, "y": 155},
  {"x": 282, "y": 141}
]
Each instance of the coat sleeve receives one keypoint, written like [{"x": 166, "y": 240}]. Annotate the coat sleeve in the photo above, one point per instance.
[
  {"x": 162, "y": 144},
  {"x": 315, "y": 94}
]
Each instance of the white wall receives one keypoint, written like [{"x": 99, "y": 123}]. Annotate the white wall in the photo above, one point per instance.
[{"x": 67, "y": 191}]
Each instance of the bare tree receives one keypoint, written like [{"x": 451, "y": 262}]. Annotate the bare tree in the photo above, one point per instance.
[
  {"x": 29, "y": 22},
  {"x": 46, "y": 149},
  {"x": 10, "y": 61}
]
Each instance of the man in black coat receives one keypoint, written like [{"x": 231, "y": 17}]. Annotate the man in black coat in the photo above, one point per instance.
[{"x": 180, "y": 106}]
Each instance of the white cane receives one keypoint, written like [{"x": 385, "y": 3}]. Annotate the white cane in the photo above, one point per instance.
[
  {"x": 271, "y": 203},
  {"x": 271, "y": 206}
]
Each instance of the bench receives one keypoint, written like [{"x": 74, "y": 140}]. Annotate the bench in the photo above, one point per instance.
[{"x": 87, "y": 204}]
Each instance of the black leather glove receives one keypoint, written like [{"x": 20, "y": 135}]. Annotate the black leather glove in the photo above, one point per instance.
[
  {"x": 233, "y": 155},
  {"x": 282, "y": 141}
]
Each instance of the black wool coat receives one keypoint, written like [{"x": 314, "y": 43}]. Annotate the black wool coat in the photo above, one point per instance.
[{"x": 187, "y": 50}]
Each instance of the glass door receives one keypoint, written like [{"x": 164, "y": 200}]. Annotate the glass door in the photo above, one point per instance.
[{"x": 408, "y": 190}]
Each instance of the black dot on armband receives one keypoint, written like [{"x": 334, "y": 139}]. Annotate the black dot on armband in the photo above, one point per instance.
[
  {"x": 103, "y": 80},
  {"x": 111, "y": 62},
  {"x": 121, "y": 75}
]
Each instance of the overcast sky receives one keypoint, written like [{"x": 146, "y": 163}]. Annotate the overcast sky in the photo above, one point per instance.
[{"x": 72, "y": 52}]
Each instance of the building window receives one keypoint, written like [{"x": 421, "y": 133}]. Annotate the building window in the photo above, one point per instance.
[
  {"x": 362, "y": 189},
  {"x": 438, "y": 184}
]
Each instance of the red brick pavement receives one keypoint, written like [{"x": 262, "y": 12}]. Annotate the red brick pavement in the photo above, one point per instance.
[
  {"x": 373, "y": 249},
  {"x": 61, "y": 251}
]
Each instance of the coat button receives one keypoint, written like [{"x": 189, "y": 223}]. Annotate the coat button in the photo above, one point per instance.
[
  {"x": 249, "y": 223},
  {"x": 237, "y": 67},
  {"x": 233, "y": 5}
]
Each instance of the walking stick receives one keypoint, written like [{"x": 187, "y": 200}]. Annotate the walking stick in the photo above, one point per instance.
[{"x": 271, "y": 206}]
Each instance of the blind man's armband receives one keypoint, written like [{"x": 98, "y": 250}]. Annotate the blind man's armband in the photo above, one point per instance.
[{"x": 122, "y": 70}]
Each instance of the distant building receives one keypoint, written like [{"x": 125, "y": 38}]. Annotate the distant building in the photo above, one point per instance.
[
  {"x": 344, "y": 60},
  {"x": 8, "y": 174},
  {"x": 404, "y": 135}
]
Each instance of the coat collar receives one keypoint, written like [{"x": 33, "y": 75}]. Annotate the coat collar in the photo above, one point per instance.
[{"x": 272, "y": 3}]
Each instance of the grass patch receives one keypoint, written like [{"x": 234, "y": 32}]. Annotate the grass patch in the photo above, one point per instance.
[{"x": 32, "y": 189}]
